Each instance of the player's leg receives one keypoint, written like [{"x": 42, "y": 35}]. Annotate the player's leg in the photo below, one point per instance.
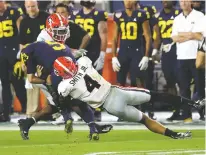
[
  {"x": 6, "y": 90},
  {"x": 20, "y": 90},
  {"x": 25, "y": 124},
  {"x": 87, "y": 114},
  {"x": 200, "y": 82},
  {"x": 125, "y": 63},
  {"x": 32, "y": 100},
  {"x": 169, "y": 68},
  {"x": 185, "y": 77},
  {"x": 125, "y": 109},
  {"x": 149, "y": 85},
  {"x": 156, "y": 127}
]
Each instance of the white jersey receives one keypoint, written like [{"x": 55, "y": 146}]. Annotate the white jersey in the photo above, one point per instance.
[
  {"x": 87, "y": 85},
  {"x": 44, "y": 36}
]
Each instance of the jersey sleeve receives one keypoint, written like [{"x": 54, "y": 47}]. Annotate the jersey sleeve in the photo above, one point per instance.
[
  {"x": 22, "y": 32},
  {"x": 17, "y": 12},
  {"x": 101, "y": 15},
  {"x": 143, "y": 16},
  {"x": 31, "y": 66},
  {"x": 64, "y": 88}
]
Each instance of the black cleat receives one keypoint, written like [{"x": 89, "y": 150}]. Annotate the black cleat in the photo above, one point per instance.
[
  {"x": 182, "y": 135},
  {"x": 24, "y": 128},
  {"x": 103, "y": 128}
]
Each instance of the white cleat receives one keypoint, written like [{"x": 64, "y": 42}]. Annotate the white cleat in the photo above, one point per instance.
[{"x": 58, "y": 121}]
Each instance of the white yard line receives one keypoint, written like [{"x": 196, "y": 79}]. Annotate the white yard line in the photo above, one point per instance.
[{"x": 151, "y": 152}]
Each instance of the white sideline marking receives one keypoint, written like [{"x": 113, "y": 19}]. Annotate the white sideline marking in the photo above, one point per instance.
[{"x": 151, "y": 152}]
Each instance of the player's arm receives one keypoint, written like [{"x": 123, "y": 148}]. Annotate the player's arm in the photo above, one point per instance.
[
  {"x": 176, "y": 36},
  {"x": 191, "y": 35},
  {"x": 18, "y": 17},
  {"x": 115, "y": 62},
  {"x": 34, "y": 79},
  {"x": 77, "y": 30},
  {"x": 157, "y": 39},
  {"x": 64, "y": 88},
  {"x": 115, "y": 40},
  {"x": 147, "y": 36},
  {"x": 102, "y": 28}
]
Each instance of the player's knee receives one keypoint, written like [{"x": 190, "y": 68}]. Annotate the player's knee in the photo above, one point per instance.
[
  {"x": 144, "y": 119},
  {"x": 114, "y": 112}
]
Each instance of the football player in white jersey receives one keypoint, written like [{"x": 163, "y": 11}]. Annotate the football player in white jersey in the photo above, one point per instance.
[
  {"x": 81, "y": 81},
  {"x": 82, "y": 109}
]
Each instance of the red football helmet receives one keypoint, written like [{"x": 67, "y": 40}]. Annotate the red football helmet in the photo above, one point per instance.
[
  {"x": 58, "y": 28},
  {"x": 65, "y": 67}
]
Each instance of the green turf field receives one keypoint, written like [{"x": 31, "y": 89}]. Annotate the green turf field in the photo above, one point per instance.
[{"x": 117, "y": 142}]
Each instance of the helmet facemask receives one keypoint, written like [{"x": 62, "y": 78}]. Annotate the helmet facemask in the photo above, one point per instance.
[{"x": 61, "y": 33}]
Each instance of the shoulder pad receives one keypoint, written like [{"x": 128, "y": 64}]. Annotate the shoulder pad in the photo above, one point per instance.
[{"x": 118, "y": 14}]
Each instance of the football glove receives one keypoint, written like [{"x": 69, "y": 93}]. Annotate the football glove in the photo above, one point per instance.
[
  {"x": 115, "y": 64},
  {"x": 80, "y": 52},
  {"x": 167, "y": 47},
  {"x": 144, "y": 63},
  {"x": 99, "y": 63},
  {"x": 18, "y": 72}
]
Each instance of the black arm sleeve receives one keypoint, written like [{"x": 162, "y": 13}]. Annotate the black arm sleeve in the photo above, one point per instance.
[
  {"x": 22, "y": 34},
  {"x": 76, "y": 35}
]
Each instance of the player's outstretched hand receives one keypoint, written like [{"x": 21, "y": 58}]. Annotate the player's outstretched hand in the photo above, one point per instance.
[
  {"x": 115, "y": 64},
  {"x": 144, "y": 63},
  {"x": 99, "y": 63},
  {"x": 80, "y": 52}
]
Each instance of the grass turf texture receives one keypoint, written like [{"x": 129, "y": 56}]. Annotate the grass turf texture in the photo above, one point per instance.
[{"x": 59, "y": 143}]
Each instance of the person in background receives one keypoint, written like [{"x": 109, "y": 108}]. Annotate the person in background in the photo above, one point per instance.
[
  {"x": 155, "y": 32},
  {"x": 187, "y": 47},
  {"x": 169, "y": 57},
  {"x": 30, "y": 27},
  {"x": 10, "y": 19},
  {"x": 199, "y": 5},
  {"x": 95, "y": 23}
]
